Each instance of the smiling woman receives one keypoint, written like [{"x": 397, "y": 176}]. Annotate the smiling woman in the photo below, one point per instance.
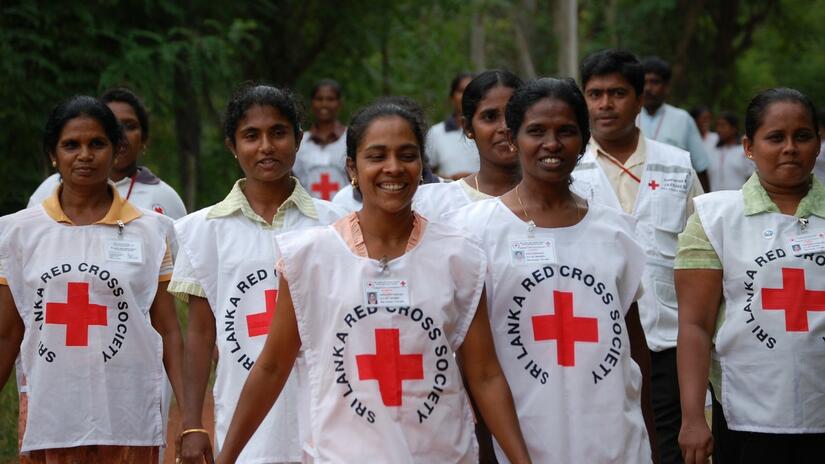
[
  {"x": 378, "y": 324},
  {"x": 225, "y": 270}
]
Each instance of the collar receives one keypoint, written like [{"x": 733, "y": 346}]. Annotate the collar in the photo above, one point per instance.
[
  {"x": 121, "y": 210},
  {"x": 758, "y": 201},
  {"x": 337, "y": 131},
  {"x": 451, "y": 124},
  {"x": 349, "y": 228},
  {"x": 142, "y": 176},
  {"x": 236, "y": 201},
  {"x": 659, "y": 111},
  {"x": 636, "y": 158}
]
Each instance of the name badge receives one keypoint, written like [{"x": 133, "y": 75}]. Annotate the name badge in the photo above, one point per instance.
[
  {"x": 387, "y": 292},
  {"x": 532, "y": 251},
  {"x": 124, "y": 251},
  {"x": 807, "y": 243}
]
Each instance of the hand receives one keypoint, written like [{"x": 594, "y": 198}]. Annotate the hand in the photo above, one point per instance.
[
  {"x": 194, "y": 448},
  {"x": 696, "y": 442}
]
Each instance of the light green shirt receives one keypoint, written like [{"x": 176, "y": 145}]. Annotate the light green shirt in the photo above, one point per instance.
[{"x": 236, "y": 202}]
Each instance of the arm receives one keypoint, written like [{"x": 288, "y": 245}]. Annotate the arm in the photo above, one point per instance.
[
  {"x": 268, "y": 376},
  {"x": 165, "y": 321},
  {"x": 699, "y": 292},
  {"x": 640, "y": 353},
  {"x": 200, "y": 342},
  {"x": 488, "y": 386},
  {"x": 11, "y": 333}
]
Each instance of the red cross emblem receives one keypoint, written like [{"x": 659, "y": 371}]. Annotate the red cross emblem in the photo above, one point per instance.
[
  {"x": 258, "y": 324},
  {"x": 565, "y": 328},
  {"x": 794, "y": 299},
  {"x": 389, "y": 367},
  {"x": 325, "y": 187},
  {"x": 653, "y": 185},
  {"x": 77, "y": 314}
]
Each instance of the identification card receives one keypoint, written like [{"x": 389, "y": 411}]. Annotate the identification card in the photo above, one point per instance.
[
  {"x": 532, "y": 251},
  {"x": 807, "y": 243},
  {"x": 387, "y": 292},
  {"x": 124, "y": 251}
]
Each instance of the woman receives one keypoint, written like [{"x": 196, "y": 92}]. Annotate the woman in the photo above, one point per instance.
[
  {"x": 729, "y": 168},
  {"x": 384, "y": 384},
  {"x": 751, "y": 288},
  {"x": 226, "y": 272},
  {"x": 452, "y": 156},
  {"x": 704, "y": 118},
  {"x": 320, "y": 164},
  {"x": 482, "y": 105},
  {"x": 83, "y": 274},
  {"x": 562, "y": 280},
  {"x": 134, "y": 183}
]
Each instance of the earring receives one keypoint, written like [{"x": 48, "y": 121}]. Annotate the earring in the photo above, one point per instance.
[
  {"x": 512, "y": 148},
  {"x": 54, "y": 164},
  {"x": 421, "y": 179},
  {"x": 353, "y": 182}
]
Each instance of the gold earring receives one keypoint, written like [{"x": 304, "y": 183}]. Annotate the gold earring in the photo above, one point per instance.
[
  {"x": 353, "y": 182},
  {"x": 54, "y": 164}
]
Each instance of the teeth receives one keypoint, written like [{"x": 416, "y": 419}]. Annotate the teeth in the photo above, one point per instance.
[
  {"x": 391, "y": 187},
  {"x": 550, "y": 161}
]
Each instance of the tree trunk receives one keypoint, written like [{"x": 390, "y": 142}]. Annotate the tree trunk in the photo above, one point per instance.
[
  {"x": 568, "y": 34},
  {"x": 477, "y": 39},
  {"x": 522, "y": 29},
  {"x": 187, "y": 131},
  {"x": 694, "y": 9}
]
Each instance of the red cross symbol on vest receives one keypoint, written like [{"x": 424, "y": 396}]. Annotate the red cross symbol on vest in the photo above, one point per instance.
[
  {"x": 565, "y": 328},
  {"x": 653, "y": 184},
  {"x": 389, "y": 367},
  {"x": 77, "y": 314},
  {"x": 325, "y": 187},
  {"x": 794, "y": 299},
  {"x": 258, "y": 324}
]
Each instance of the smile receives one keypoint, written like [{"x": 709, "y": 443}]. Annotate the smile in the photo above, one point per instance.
[
  {"x": 551, "y": 161},
  {"x": 392, "y": 186}
]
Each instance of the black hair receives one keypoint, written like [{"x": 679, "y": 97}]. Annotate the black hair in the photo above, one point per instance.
[
  {"x": 755, "y": 114},
  {"x": 382, "y": 109},
  {"x": 81, "y": 106},
  {"x": 731, "y": 119},
  {"x": 331, "y": 83},
  {"x": 697, "y": 111},
  {"x": 658, "y": 66},
  {"x": 614, "y": 61},
  {"x": 125, "y": 95},
  {"x": 477, "y": 89},
  {"x": 821, "y": 115},
  {"x": 536, "y": 90},
  {"x": 252, "y": 94},
  {"x": 457, "y": 80}
]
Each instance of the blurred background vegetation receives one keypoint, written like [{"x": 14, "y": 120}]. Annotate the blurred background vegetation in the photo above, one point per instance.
[{"x": 185, "y": 58}]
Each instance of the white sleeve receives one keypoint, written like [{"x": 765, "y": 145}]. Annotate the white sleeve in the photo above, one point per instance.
[{"x": 44, "y": 190}]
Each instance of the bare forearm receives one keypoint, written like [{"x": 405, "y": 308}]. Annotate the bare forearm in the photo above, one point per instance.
[
  {"x": 693, "y": 359},
  {"x": 262, "y": 388},
  {"x": 198, "y": 355},
  {"x": 9, "y": 348},
  {"x": 495, "y": 402}
]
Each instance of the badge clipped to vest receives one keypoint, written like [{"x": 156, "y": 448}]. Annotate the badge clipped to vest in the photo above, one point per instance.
[
  {"x": 123, "y": 251},
  {"x": 532, "y": 251},
  {"x": 805, "y": 244},
  {"x": 387, "y": 293}
]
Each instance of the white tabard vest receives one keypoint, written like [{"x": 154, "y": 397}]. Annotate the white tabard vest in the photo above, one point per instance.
[
  {"x": 322, "y": 168},
  {"x": 433, "y": 200},
  {"x": 661, "y": 213},
  {"x": 92, "y": 359},
  {"x": 384, "y": 384},
  {"x": 771, "y": 346},
  {"x": 560, "y": 333},
  {"x": 234, "y": 260}
]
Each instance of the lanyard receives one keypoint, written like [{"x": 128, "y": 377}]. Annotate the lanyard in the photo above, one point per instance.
[
  {"x": 658, "y": 126},
  {"x": 626, "y": 171},
  {"x": 131, "y": 185}
]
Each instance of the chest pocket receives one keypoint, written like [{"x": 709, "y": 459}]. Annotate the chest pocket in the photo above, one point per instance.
[{"x": 671, "y": 211}]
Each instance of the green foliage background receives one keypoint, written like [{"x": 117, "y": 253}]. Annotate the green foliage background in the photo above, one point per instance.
[{"x": 186, "y": 57}]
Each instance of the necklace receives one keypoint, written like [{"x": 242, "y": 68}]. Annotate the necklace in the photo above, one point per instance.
[
  {"x": 477, "y": 189},
  {"x": 531, "y": 225}
]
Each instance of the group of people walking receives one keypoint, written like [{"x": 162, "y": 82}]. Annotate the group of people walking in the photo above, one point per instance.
[{"x": 568, "y": 299}]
